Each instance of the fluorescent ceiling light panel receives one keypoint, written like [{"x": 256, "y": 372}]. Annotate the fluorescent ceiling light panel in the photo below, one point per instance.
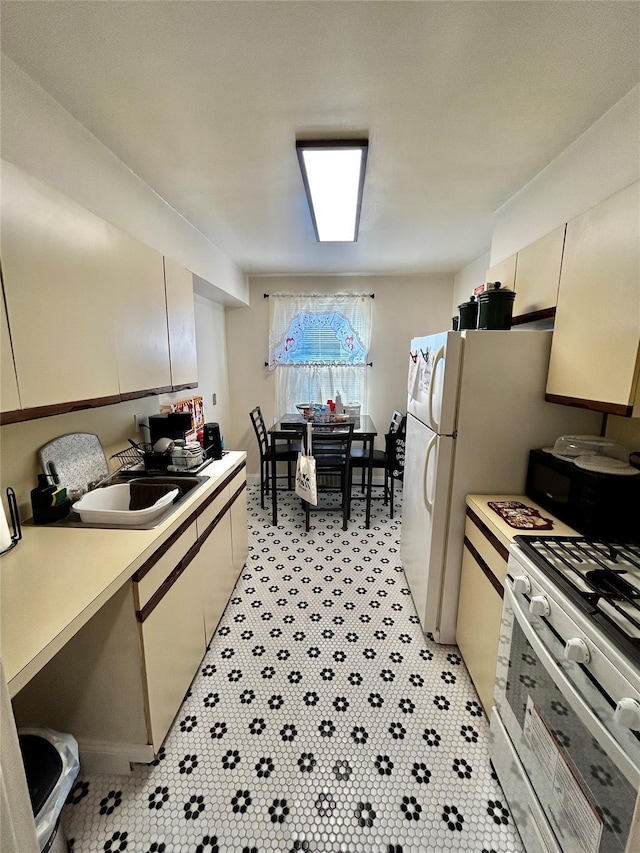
[{"x": 333, "y": 175}]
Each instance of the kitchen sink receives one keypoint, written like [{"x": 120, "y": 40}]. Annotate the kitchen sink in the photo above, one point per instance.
[{"x": 185, "y": 484}]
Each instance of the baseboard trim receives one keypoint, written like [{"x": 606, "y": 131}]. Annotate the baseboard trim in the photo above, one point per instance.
[{"x": 107, "y": 757}]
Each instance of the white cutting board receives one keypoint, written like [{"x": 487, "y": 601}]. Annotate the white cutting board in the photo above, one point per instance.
[{"x": 78, "y": 458}]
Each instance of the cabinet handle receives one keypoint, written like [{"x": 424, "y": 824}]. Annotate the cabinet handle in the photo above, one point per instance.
[{"x": 164, "y": 588}]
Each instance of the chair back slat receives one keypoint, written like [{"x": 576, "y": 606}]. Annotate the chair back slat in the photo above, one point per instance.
[
  {"x": 396, "y": 420},
  {"x": 331, "y": 444},
  {"x": 260, "y": 430}
]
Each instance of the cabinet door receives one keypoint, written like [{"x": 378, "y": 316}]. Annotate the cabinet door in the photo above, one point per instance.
[
  {"x": 55, "y": 258},
  {"x": 173, "y": 644},
  {"x": 181, "y": 322},
  {"x": 478, "y": 629},
  {"x": 538, "y": 274},
  {"x": 140, "y": 315},
  {"x": 216, "y": 574},
  {"x": 9, "y": 397},
  {"x": 504, "y": 272},
  {"x": 594, "y": 354},
  {"x": 239, "y": 532}
]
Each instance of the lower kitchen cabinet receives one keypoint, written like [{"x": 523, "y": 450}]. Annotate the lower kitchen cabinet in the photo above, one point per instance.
[
  {"x": 239, "y": 539},
  {"x": 217, "y": 575},
  {"x": 173, "y": 644},
  {"x": 118, "y": 683},
  {"x": 484, "y": 569},
  {"x": 487, "y": 538}
]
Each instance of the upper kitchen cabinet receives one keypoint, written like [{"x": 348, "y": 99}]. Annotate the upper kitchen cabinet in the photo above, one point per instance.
[
  {"x": 595, "y": 359},
  {"x": 504, "y": 272},
  {"x": 182, "y": 326},
  {"x": 140, "y": 317},
  {"x": 9, "y": 396},
  {"x": 55, "y": 257},
  {"x": 538, "y": 275}
]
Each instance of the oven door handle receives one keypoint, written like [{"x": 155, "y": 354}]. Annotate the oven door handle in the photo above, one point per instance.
[{"x": 571, "y": 695}]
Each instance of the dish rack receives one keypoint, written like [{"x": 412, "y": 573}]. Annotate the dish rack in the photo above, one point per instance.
[
  {"x": 130, "y": 459},
  {"x": 156, "y": 463}
]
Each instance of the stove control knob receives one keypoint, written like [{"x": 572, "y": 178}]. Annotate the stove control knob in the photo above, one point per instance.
[
  {"x": 521, "y": 585},
  {"x": 539, "y": 606},
  {"x": 576, "y": 650},
  {"x": 627, "y": 713}
]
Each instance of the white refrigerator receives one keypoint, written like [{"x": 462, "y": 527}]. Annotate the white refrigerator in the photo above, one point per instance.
[{"x": 475, "y": 408}]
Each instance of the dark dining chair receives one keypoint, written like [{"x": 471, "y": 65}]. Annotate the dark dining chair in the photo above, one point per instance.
[
  {"x": 286, "y": 451},
  {"x": 390, "y": 460},
  {"x": 331, "y": 448},
  {"x": 394, "y": 449}
]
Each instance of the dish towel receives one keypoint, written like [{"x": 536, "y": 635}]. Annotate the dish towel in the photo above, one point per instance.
[{"x": 144, "y": 495}]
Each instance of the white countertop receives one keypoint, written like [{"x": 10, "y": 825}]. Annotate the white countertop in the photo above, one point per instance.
[
  {"x": 503, "y": 531},
  {"x": 57, "y": 578}
]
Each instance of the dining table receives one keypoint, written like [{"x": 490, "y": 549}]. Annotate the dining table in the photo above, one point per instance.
[{"x": 292, "y": 426}]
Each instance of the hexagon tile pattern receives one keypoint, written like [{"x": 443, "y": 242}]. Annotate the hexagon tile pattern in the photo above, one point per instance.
[{"x": 321, "y": 718}]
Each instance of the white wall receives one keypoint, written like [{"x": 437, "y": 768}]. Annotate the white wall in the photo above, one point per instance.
[
  {"x": 469, "y": 277},
  {"x": 605, "y": 159},
  {"x": 404, "y": 307},
  {"x": 212, "y": 361},
  {"x": 39, "y": 136}
]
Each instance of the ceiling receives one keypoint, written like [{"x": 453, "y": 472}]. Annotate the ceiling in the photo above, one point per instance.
[{"x": 463, "y": 103}]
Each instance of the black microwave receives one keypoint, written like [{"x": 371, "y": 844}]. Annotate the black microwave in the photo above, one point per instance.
[{"x": 599, "y": 506}]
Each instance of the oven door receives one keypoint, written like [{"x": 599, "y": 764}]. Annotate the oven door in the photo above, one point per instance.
[{"x": 584, "y": 777}]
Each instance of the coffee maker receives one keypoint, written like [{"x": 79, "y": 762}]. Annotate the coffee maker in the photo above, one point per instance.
[
  {"x": 171, "y": 425},
  {"x": 212, "y": 441}
]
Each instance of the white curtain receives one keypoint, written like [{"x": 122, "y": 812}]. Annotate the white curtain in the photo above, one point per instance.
[
  {"x": 318, "y": 346},
  {"x": 316, "y": 384}
]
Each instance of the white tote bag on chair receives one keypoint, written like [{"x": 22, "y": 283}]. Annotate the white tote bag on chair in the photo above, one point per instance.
[{"x": 306, "y": 486}]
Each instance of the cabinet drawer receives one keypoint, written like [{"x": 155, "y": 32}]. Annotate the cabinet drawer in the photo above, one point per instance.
[
  {"x": 478, "y": 537},
  {"x": 217, "y": 502},
  {"x": 238, "y": 479},
  {"x": 220, "y": 498},
  {"x": 150, "y": 577}
]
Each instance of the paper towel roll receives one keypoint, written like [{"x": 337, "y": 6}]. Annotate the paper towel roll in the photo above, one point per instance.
[{"x": 5, "y": 536}]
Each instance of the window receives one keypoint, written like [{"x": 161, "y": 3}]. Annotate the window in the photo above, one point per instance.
[{"x": 318, "y": 346}]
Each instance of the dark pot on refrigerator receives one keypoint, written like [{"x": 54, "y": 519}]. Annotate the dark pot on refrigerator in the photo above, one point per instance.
[
  {"x": 468, "y": 314},
  {"x": 495, "y": 308}
]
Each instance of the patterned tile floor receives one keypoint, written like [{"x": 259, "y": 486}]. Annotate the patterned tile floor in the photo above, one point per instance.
[{"x": 321, "y": 718}]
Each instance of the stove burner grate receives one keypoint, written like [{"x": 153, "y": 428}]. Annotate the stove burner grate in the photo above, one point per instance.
[
  {"x": 602, "y": 578},
  {"x": 611, "y": 584}
]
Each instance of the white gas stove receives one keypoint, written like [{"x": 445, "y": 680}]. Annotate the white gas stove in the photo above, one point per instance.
[{"x": 566, "y": 726}]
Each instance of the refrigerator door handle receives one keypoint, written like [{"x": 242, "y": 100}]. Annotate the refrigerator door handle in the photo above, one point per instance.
[
  {"x": 425, "y": 491},
  {"x": 439, "y": 356}
]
